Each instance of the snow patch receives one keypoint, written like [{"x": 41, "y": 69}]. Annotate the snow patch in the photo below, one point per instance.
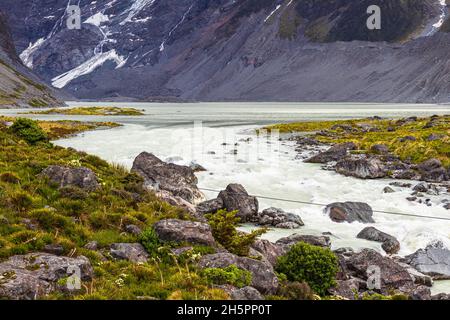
[
  {"x": 97, "y": 19},
  {"x": 272, "y": 13},
  {"x": 27, "y": 55},
  {"x": 136, "y": 7},
  {"x": 87, "y": 67}
]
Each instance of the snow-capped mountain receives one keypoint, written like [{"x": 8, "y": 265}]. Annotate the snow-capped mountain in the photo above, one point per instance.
[{"x": 308, "y": 50}]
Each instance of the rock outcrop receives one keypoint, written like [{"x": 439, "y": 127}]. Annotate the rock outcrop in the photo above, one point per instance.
[
  {"x": 320, "y": 241},
  {"x": 263, "y": 276},
  {"x": 179, "y": 181},
  {"x": 31, "y": 276},
  {"x": 335, "y": 153},
  {"x": 434, "y": 261},
  {"x": 173, "y": 230},
  {"x": 361, "y": 167},
  {"x": 278, "y": 218},
  {"x": 133, "y": 252},
  {"x": 80, "y": 177}
]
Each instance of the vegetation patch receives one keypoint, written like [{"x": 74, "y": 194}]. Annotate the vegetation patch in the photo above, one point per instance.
[
  {"x": 230, "y": 275},
  {"x": 428, "y": 137},
  {"x": 92, "y": 111}
]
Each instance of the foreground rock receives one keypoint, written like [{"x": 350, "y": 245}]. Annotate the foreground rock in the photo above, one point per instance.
[
  {"x": 335, "y": 153},
  {"x": 179, "y": 181},
  {"x": 433, "y": 171},
  {"x": 80, "y": 177},
  {"x": 389, "y": 243},
  {"x": 320, "y": 241},
  {"x": 350, "y": 212},
  {"x": 234, "y": 197},
  {"x": 361, "y": 167},
  {"x": 133, "y": 252},
  {"x": 393, "y": 276},
  {"x": 245, "y": 293},
  {"x": 35, "y": 275},
  {"x": 268, "y": 250},
  {"x": 434, "y": 261},
  {"x": 184, "y": 231},
  {"x": 263, "y": 276},
  {"x": 278, "y": 218}
]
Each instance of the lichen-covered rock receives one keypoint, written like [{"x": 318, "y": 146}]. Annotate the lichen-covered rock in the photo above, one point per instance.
[
  {"x": 278, "y": 218},
  {"x": 133, "y": 252},
  {"x": 210, "y": 206},
  {"x": 263, "y": 276},
  {"x": 270, "y": 251},
  {"x": 174, "y": 230},
  {"x": 242, "y": 294},
  {"x": 350, "y": 212},
  {"x": 432, "y": 170},
  {"x": 179, "y": 181},
  {"x": 31, "y": 276},
  {"x": 80, "y": 177}
]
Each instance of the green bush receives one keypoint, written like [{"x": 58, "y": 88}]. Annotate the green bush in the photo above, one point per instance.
[
  {"x": 28, "y": 130},
  {"x": 223, "y": 225},
  {"x": 229, "y": 275},
  {"x": 150, "y": 241},
  {"x": 314, "y": 265}
]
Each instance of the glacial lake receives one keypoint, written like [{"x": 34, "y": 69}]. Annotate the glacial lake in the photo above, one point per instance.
[{"x": 215, "y": 135}]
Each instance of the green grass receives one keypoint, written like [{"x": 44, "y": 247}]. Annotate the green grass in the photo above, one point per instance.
[
  {"x": 414, "y": 151},
  {"x": 93, "y": 111}
]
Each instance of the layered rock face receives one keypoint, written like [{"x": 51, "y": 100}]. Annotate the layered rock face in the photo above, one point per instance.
[
  {"x": 19, "y": 87},
  {"x": 236, "y": 50}
]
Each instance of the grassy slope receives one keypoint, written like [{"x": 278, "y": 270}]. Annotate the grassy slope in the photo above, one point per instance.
[
  {"x": 415, "y": 151},
  {"x": 72, "y": 218}
]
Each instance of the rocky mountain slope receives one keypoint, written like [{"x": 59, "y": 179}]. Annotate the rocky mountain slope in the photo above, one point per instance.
[
  {"x": 259, "y": 50},
  {"x": 18, "y": 86}
]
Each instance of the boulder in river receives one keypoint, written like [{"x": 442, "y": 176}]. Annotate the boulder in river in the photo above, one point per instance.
[
  {"x": 389, "y": 243},
  {"x": 335, "y": 153},
  {"x": 264, "y": 278},
  {"x": 361, "y": 167},
  {"x": 174, "y": 230},
  {"x": 179, "y": 181},
  {"x": 278, "y": 218},
  {"x": 235, "y": 197},
  {"x": 31, "y": 276},
  {"x": 434, "y": 261},
  {"x": 432, "y": 170},
  {"x": 350, "y": 212},
  {"x": 80, "y": 177}
]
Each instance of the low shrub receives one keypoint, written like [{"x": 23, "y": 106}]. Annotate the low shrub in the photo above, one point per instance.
[
  {"x": 296, "y": 291},
  {"x": 311, "y": 264},
  {"x": 28, "y": 130},
  {"x": 223, "y": 225},
  {"x": 230, "y": 275}
]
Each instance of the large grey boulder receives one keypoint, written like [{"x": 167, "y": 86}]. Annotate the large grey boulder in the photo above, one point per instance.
[
  {"x": 389, "y": 243},
  {"x": 31, "y": 276},
  {"x": 263, "y": 277},
  {"x": 392, "y": 275},
  {"x": 180, "y": 181},
  {"x": 278, "y": 218},
  {"x": 174, "y": 230},
  {"x": 361, "y": 167},
  {"x": 80, "y": 177},
  {"x": 347, "y": 289},
  {"x": 432, "y": 170},
  {"x": 350, "y": 212},
  {"x": 320, "y": 241},
  {"x": 434, "y": 261},
  {"x": 335, "y": 153},
  {"x": 270, "y": 251},
  {"x": 235, "y": 197},
  {"x": 133, "y": 252},
  {"x": 210, "y": 206}
]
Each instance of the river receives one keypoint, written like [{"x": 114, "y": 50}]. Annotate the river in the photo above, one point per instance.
[{"x": 215, "y": 135}]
